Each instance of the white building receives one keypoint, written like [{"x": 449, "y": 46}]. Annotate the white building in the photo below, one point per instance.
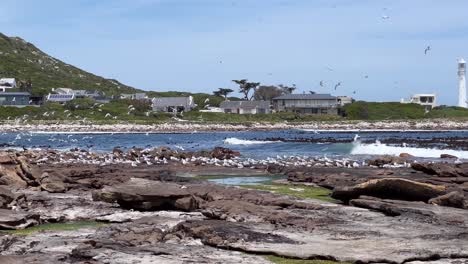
[
  {"x": 7, "y": 83},
  {"x": 246, "y": 107},
  {"x": 429, "y": 101},
  {"x": 173, "y": 104},
  {"x": 462, "y": 100}
]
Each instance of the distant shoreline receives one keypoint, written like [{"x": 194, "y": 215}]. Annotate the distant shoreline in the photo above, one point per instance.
[{"x": 439, "y": 125}]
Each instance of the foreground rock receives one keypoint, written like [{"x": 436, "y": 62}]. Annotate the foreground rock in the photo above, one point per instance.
[{"x": 271, "y": 224}]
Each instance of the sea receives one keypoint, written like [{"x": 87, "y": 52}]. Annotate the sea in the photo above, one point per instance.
[{"x": 354, "y": 144}]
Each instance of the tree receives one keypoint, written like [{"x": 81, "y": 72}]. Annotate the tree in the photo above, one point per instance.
[
  {"x": 246, "y": 87},
  {"x": 288, "y": 89},
  {"x": 223, "y": 92},
  {"x": 267, "y": 93}
]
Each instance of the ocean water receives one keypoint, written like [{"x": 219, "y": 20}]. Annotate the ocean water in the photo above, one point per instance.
[{"x": 257, "y": 144}]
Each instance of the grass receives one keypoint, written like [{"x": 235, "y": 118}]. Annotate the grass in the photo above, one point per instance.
[
  {"x": 281, "y": 260},
  {"x": 384, "y": 111},
  {"x": 55, "y": 227},
  {"x": 299, "y": 191}
]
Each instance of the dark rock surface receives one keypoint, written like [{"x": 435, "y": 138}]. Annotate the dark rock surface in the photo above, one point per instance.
[{"x": 392, "y": 188}]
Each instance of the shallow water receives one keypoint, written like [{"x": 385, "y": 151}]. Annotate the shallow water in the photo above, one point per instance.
[
  {"x": 251, "y": 144},
  {"x": 245, "y": 180}
]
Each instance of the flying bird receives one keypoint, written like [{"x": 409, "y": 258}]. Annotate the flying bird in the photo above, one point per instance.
[
  {"x": 330, "y": 69},
  {"x": 207, "y": 100},
  {"x": 385, "y": 17},
  {"x": 428, "y": 48},
  {"x": 366, "y": 76},
  {"x": 321, "y": 83},
  {"x": 337, "y": 85}
]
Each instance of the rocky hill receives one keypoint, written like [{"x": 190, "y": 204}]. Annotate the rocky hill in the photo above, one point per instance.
[{"x": 23, "y": 61}]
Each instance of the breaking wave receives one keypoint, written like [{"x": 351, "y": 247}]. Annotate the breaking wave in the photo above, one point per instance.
[
  {"x": 382, "y": 149},
  {"x": 236, "y": 141}
]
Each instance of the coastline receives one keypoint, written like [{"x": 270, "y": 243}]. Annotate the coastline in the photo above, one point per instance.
[{"x": 193, "y": 127}]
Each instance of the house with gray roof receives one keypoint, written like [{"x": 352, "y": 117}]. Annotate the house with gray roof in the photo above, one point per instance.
[
  {"x": 246, "y": 107},
  {"x": 173, "y": 104},
  {"x": 307, "y": 104}
]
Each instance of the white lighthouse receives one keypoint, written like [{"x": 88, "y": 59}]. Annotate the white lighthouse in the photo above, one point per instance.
[{"x": 462, "y": 83}]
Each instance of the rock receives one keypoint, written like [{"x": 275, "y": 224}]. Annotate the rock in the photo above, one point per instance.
[
  {"x": 448, "y": 156},
  {"x": 16, "y": 220},
  {"x": 6, "y": 197},
  {"x": 10, "y": 176},
  {"x": 390, "y": 188},
  {"x": 52, "y": 184},
  {"x": 147, "y": 195},
  {"x": 223, "y": 153},
  {"x": 406, "y": 155},
  {"x": 452, "y": 199},
  {"x": 442, "y": 169},
  {"x": 383, "y": 160},
  {"x": 6, "y": 158}
]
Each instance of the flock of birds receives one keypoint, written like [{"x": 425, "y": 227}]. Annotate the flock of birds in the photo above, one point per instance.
[{"x": 147, "y": 159}]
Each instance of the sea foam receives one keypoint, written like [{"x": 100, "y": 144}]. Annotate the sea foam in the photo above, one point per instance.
[
  {"x": 382, "y": 149},
  {"x": 237, "y": 141}
]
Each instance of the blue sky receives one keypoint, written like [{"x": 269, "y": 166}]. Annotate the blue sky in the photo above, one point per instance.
[{"x": 178, "y": 44}]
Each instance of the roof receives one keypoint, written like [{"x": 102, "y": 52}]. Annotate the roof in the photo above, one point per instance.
[
  {"x": 172, "y": 101},
  {"x": 7, "y": 80},
  {"x": 60, "y": 97},
  {"x": 16, "y": 94},
  {"x": 245, "y": 104},
  {"x": 305, "y": 97}
]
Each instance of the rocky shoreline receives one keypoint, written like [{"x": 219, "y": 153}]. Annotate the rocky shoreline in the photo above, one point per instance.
[
  {"x": 161, "y": 213},
  {"x": 190, "y": 127}
]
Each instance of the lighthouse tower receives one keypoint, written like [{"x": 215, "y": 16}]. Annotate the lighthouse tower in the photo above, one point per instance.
[{"x": 462, "y": 83}]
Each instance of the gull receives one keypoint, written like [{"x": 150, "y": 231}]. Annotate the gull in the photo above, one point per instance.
[
  {"x": 428, "y": 48},
  {"x": 30, "y": 101},
  {"x": 147, "y": 113},
  {"x": 130, "y": 106},
  {"x": 366, "y": 76},
  {"x": 14, "y": 99},
  {"x": 66, "y": 111},
  {"x": 337, "y": 85},
  {"x": 321, "y": 83},
  {"x": 207, "y": 100},
  {"x": 385, "y": 17},
  {"x": 329, "y": 68},
  {"x": 107, "y": 115}
]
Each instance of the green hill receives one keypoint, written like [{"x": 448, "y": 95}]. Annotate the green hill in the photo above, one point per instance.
[{"x": 23, "y": 61}]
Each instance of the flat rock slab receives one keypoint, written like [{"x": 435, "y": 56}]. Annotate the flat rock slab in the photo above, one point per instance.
[{"x": 16, "y": 220}]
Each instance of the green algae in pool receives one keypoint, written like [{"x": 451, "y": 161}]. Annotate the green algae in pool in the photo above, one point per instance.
[
  {"x": 281, "y": 260},
  {"x": 299, "y": 191},
  {"x": 69, "y": 226}
]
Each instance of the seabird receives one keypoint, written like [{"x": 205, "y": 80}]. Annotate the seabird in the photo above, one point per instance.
[
  {"x": 428, "y": 48},
  {"x": 337, "y": 85}
]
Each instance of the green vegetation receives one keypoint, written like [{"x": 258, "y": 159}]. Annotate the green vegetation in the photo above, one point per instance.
[
  {"x": 448, "y": 112},
  {"x": 23, "y": 61},
  {"x": 393, "y": 110},
  {"x": 56, "y": 227},
  {"x": 300, "y": 191},
  {"x": 281, "y": 260},
  {"x": 383, "y": 111},
  {"x": 264, "y": 118}
]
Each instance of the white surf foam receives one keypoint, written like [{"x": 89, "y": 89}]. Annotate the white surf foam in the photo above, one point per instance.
[
  {"x": 236, "y": 141},
  {"x": 382, "y": 149}
]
